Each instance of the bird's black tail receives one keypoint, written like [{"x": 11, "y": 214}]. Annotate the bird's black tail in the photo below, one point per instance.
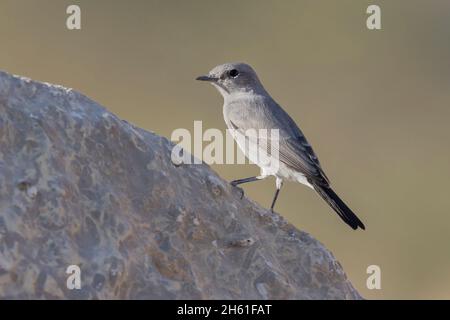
[{"x": 339, "y": 206}]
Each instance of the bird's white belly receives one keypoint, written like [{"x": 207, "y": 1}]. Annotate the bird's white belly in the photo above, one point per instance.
[{"x": 286, "y": 173}]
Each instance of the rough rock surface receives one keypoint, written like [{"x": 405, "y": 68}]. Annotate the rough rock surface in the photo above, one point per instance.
[{"x": 78, "y": 186}]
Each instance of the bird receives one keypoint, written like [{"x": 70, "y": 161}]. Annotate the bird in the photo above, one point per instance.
[{"x": 248, "y": 108}]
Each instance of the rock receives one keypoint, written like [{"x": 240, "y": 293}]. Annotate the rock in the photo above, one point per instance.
[{"x": 79, "y": 186}]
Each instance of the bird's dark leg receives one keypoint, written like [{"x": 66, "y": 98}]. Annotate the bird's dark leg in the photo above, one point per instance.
[
  {"x": 235, "y": 183},
  {"x": 279, "y": 183}
]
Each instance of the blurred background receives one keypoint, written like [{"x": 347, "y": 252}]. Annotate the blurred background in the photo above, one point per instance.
[{"x": 374, "y": 104}]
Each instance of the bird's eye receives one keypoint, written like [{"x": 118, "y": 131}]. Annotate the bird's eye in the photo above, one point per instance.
[{"x": 234, "y": 73}]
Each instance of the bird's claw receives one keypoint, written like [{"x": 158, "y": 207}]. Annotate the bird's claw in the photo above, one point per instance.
[{"x": 241, "y": 191}]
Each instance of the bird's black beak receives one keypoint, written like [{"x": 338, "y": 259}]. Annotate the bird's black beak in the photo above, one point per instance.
[{"x": 206, "y": 78}]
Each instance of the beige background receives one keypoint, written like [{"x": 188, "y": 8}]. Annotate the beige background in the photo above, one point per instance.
[{"x": 374, "y": 104}]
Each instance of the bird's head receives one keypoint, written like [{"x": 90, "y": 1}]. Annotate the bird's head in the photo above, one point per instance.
[{"x": 233, "y": 78}]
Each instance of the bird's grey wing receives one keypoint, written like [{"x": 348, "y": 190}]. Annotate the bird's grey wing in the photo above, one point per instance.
[
  {"x": 291, "y": 145},
  {"x": 299, "y": 155}
]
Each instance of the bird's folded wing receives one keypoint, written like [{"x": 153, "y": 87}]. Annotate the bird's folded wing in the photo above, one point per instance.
[
  {"x": 295, "y": 152},
  {"x": 298, "y": 154}
]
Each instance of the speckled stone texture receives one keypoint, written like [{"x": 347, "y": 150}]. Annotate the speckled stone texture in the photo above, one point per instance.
[{"x": 79, "y": 186}]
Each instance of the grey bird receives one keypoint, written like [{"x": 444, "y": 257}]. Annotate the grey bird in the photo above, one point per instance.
[{"x": 247, "y": 108}]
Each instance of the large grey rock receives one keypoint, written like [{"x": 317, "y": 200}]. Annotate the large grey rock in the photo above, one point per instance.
[{"x": 78, "y": 186}]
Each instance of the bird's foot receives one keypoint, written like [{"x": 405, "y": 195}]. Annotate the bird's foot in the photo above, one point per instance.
[{"x": 238, "y": 189}]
